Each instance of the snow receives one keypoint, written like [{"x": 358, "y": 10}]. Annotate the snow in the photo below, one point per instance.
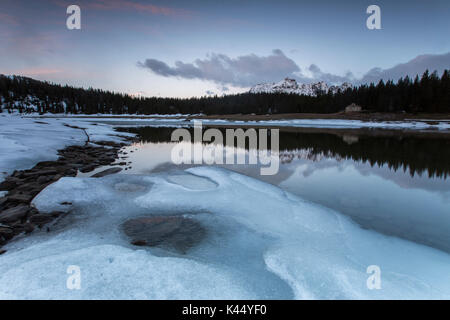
[
  {"x": 262, "y": 242},
  {"x": 110, "y": 115},
  {"x": 290, "y": 86},
  {"x": 183, "y": 120},
  {"x": 340, "y": 124},
  {"x": 24, "y": 141},
  {"x": 115, "y": 272},
  {"x": 301, "y": 123}
]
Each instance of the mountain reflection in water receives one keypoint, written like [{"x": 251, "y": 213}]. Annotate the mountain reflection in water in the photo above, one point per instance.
[{"x": 395, "y": 182}]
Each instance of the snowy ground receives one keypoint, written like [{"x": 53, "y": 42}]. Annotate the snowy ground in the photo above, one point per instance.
[
  {"x": 302, "y": 123},
  {"x": 25, "y": 141},
  {"x": 187, "y": 120},
  {"x": 262, "y": 242}
]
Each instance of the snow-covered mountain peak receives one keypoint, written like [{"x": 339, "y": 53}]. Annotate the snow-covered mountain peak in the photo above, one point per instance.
[{"x": 291, "y": 86}]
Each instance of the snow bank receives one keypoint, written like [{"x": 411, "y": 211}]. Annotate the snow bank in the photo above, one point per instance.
[
  {"x": 262, "y": 242},
  {"x": 344, "y": 124},
  {"x": 25, "y": 141},
  {"x": 303, "y": 123}
]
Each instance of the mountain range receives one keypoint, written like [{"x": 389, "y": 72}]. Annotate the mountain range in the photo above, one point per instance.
[{"x": 292, "y": 87}]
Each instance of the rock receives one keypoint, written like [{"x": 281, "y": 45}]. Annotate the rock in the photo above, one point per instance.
[
  {"x": 139, "y": 243},
  {"x": 3, "y": 200},
  {"x": 28, "y": 227},
  {"x": 88, "y": 168},
  {"x": 71, "y": 172},
  {"x": 75, "y": 166},
  {"x": 44, "y": 164},
  {"x": 14, "y": 214},
  {"x": 17, "y": 174},
  {"x": 106, "y": 161},
  {"x": 40, "y": 172},
  {"x": 27, "y": 187},
  {"x": 56, "y": 177},
  {"x": 106, "y": 172},
  {"x": 42, "y": 179},
  {"x": 6, "y": 233},
  {"x": 41, "y": 218},
  {"x": 21, "y": 197},
  {"x": 108, "y": 143},
  {"x": 8, "y": 184},
  {"x": 18, "y": 229},
  {"x": 56, "y": 214},
  {"x": 2, "y": 251},
  {"x": 174, "y": 232}
]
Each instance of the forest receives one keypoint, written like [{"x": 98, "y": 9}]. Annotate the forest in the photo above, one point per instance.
[
  {"x": 397, "y": 152},
  {"x": 429, "y": 93}
]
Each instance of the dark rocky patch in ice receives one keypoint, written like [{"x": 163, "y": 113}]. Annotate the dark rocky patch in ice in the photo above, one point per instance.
[
  {"x": 106, "y": 172},
  {"x": 172, "y": 232}
]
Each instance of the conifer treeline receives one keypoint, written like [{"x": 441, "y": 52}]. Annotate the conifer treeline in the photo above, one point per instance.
[
  {"x": 429, "y": 93},
  {"x": 417, "y": 155}
]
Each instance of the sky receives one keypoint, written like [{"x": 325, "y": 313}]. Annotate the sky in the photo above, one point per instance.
[{"x": 197, "y": 47}]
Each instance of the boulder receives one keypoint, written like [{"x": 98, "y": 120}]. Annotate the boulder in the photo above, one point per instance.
[
  {"x": 8, "y": 184},
  {"x": 174, "y": 232},
  {"x": 41, "y": 218},
  {"x": 14, "y": 214},
  {"x": 40, "y": 172},
  {"x": 21, "y": 197},
  {"x": 6, "y": 233},
  {"x": 88, "y": 168}
]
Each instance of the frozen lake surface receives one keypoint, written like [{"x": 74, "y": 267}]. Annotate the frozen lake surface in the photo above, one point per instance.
[
  {"x": 339, "y": 204},
  {"x": 262, "y": 242}
]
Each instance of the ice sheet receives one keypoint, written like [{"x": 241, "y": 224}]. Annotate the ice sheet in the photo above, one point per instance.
[{"x": 262, "y": 243}]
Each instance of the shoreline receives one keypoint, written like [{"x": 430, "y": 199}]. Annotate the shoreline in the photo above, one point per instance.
[
  {"x": 332, "y": 121},
  {"x": 363, "y": 116},
  {"x": 18, "y": 216}
]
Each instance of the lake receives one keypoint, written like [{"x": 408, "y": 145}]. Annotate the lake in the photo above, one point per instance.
[{"x": 394, "y": 182}]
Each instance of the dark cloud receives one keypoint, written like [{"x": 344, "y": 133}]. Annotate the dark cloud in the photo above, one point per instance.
[
  {"x": 248, "y": 70},
  {"x": 157, "y": 67},
  {"x": 414, "y": 67},
  {"x": 243, "y": 71},
  {"x": 330, "y": 78}
]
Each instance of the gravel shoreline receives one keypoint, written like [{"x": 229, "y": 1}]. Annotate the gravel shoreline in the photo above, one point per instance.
[{"x": 18, "y": 216}]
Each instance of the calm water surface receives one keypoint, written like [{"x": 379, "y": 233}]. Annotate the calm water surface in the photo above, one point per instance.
[{"x": 393, "y": 182}]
